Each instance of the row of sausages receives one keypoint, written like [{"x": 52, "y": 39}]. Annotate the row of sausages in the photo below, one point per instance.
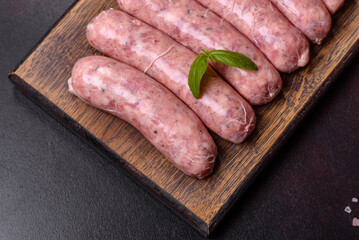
[{"x": 148, "y": 70}]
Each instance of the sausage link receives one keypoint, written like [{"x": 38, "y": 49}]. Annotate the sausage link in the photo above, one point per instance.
[
  {"x": 129, "y": 40},
  {"x": 159, "y": 115},
  {"x": 196, "y": 27},
  {"x": 283, "y": 44},
  {"x": 333, "y": 5},
  {"x": 309, "y": 16}
]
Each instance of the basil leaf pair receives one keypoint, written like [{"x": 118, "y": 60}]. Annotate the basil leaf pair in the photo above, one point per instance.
[{"x": 200, "y": 64}]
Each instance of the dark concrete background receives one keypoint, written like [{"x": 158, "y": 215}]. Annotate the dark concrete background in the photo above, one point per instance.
[{"x": 53, "y": 186}]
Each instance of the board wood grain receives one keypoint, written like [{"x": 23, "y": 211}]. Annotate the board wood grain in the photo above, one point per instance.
[{"x": 44, "y": 73}]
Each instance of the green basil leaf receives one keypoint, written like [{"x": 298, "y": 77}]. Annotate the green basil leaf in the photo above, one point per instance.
[
  {"x": 200, "y": 64},
  {"x": 208, "y": 54},
  {"x": 205, "y": 51},
  {"x": 233, "y": 59},
  {"x": 198, "y": 68}
]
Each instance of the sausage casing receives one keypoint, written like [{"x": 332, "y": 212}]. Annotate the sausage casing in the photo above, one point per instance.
[
  {"x": 131, "y": 41},
  {"x": 333, "y": 5},
  {"x": 196, "y": 27},
  {"x": 158, "y": 114},
  {"x": 283, "y": 44},
  {"x": 309, "y": 16}
]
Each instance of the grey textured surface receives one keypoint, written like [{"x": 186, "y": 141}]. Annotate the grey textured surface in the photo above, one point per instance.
[{"x": 54, "y": 186}]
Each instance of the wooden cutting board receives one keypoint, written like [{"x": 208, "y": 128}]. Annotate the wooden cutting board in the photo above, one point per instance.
[{"x": 203, "y": 203}]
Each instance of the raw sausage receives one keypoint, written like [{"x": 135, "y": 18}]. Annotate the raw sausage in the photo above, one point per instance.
[
  {"x": 196, "y": 27},
  {"x": 333, "y": 5},
  {"x": 309, "y": 16},
  {"x": 129, "y": 40},
  {"x": 283, "y": 44},
  {"x": 147, "y": 105}
]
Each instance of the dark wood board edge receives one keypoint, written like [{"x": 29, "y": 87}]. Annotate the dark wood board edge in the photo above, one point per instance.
[
  {"x": 120, "y": 163},
  {"x": 284, "y": 137},
  {"x": 43, "y": 37}
]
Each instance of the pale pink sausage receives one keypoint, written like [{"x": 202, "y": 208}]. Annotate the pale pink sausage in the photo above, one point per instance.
[
  {"x": 309, "y": 16},
  {"x": 196, "y": 27},
  {"x": 333, "y": 5},
  {"x": 158, "y": 114},
  {"x": 283, "y": 44},
  {"x": 129, "y": 40}
]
